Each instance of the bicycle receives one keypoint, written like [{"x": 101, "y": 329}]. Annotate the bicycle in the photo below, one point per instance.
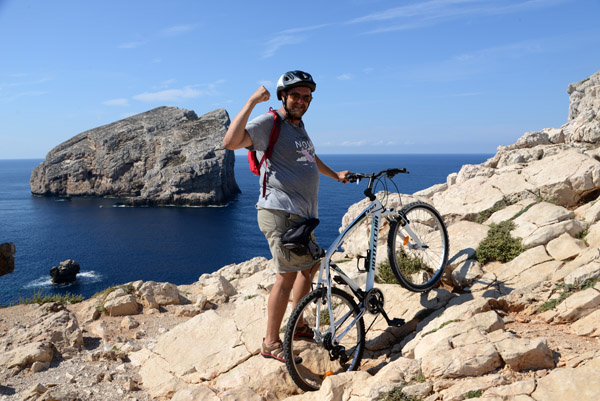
[{"x": 417, "y": 254}]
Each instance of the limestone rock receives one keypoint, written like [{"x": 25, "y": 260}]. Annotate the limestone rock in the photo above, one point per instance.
[
  {"x": 54, "y": 327},
  {"x": 593, "y": 237},
  {"x": 218, "y": 289},
  {"x": 511, "y": 391},
  {"x": 161, "y": 293},
  {"x": 523, "y": 353},
  {"x": 469, "y": 360},
  {"x": 119, "y": 303},
  {"x": 7, "y": 260},
  {"x": 27, "y": 354},
  {"x": 165, "y": 156},
  {"x": 459, "y": 391},
  {"x": 565, "y": 247},
  {"x": 584, "y": 103},
  {"x": 583, "y": 273},
  {"x": 466, "y": 237},
  {"x": 588, "y": 326},
  {"x": 579, "y": 305},
  {"x": 582, "y": 384}
]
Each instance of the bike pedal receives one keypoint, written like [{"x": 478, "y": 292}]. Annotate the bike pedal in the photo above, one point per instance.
[{"x": 396, "y": 322}]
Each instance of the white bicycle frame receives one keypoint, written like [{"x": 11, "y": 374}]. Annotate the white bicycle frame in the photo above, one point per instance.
[{"x": 376, "y": 211}]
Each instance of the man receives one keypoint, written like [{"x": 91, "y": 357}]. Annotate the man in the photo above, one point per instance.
[{"x": 291, "y": 196}]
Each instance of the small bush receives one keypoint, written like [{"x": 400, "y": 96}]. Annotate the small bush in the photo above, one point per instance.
[
  {"x": 499, "y": 244},
  {"x": 40, "y": 298},
  {"x": 474, "y": 394},
  {"x": 441, "y": 326},
  {"x": 384, "y": 274},
  {"x": 567, "y": 291},
  {"x": 501, "y": 204},
  {"x": 396, "y": 395},
  {"x": 408, "y": 265},
  {"x": 128, "y": 288}
]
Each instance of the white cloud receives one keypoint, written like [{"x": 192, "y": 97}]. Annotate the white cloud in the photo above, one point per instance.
[
  {"x": 169, "y": 95},
  {"x": 345, "y": 77},
  {"x": 304, "y": 29},
  {"x": 427, "y": 13},
  {"x": 116, "y": 102},
  {"x": 278, "y": 42},
  {"x": 177, "y": 30},
  {"x": 175, "y": 95}
]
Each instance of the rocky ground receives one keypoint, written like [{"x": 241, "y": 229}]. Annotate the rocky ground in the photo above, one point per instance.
[{"x": 100, "y": 368}]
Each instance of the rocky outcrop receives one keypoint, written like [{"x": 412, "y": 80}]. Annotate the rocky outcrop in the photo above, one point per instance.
[
  {"x": 65, "y": 272},
  {"x": 7, "y": 260},
  {"x": 165, "y": 156}
]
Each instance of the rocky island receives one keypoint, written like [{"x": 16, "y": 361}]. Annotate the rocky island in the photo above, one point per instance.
[
  {"x": 524, "y": 329},
  {"x": 165, "y": 156}
]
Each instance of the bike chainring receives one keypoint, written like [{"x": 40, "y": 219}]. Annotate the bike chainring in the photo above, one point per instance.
[
  {"x": 374, "y": 301},
  {"x": 327, "y": 343}
]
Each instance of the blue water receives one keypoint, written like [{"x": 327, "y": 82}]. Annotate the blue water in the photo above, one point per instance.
[{"x": 115, "y": 245}]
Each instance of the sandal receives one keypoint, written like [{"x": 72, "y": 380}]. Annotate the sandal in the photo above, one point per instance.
[
  {"x": 274, "y": 351},
  {"x": 304, "y": 332}
]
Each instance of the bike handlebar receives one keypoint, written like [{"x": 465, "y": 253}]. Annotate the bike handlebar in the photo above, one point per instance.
[{"x": 391, "y": 172}]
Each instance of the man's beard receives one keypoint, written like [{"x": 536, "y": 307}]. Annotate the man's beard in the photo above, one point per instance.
[{"x": 297, "y": 113}]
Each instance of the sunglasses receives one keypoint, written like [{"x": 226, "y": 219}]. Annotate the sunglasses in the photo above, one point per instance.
[{"x": 296, "y": 96}]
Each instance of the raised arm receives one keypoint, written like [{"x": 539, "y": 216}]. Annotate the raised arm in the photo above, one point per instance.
[
  {"x": 326, "y": 170},
  {"x": 237, "y": 137}
]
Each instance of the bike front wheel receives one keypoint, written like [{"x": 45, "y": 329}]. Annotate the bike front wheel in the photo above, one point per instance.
[
  {"x": 418, "y": 247},
  {"x": 310, "y": 360}
]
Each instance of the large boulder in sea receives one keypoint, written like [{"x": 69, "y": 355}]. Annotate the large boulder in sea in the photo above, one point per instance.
[
  {"x": 7, "y": 260},
  {"x": 165, "y": 156}
]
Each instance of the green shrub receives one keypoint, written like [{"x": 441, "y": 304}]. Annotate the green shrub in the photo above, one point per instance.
[
  {"x": 474, "y": 394},
  {"x": 384, "y": 274},
  {"x": 39, "y": 298},
  {"x": 567, "y": 291},
  {"x": 407, "y": 264},
  {"x": 501, "y": 204},
  {"x": 396, "y": 395},
  {"x": 499, "y": 244}
]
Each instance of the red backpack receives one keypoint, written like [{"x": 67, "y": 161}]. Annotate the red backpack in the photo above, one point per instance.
[{"x": 253, "y": 160}]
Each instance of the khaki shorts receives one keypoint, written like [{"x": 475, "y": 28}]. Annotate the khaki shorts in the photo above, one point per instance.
[{"x": 273, "y": 223}]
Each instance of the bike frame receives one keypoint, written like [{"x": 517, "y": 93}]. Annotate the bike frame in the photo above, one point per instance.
[{"x": 376, "y": 211}]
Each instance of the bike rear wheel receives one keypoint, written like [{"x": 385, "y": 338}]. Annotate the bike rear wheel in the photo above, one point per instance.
[
  {"x": 310, "y": 361},
  {"x": 418, "y": 247}
]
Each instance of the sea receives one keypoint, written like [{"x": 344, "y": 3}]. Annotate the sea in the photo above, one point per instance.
[{"x": 115, "y": 244}]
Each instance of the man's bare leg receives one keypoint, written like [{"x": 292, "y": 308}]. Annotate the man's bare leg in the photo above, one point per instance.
[{"x": 277, "y": 304}]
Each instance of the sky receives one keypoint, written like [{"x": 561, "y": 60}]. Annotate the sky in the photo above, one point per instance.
[{"x": 404, "y": 76}]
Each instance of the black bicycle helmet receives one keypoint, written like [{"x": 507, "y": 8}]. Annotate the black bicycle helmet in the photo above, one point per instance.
[{"x": 293, "y": 79}]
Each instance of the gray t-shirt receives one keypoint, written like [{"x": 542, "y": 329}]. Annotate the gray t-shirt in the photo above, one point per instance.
[{"x": 292, "y": 171}]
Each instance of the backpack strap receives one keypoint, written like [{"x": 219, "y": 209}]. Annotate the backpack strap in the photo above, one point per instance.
[{"x": 269, "y": 151}]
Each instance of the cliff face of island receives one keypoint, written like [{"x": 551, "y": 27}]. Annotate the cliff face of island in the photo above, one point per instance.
[{"x": 165, "y": 156}]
